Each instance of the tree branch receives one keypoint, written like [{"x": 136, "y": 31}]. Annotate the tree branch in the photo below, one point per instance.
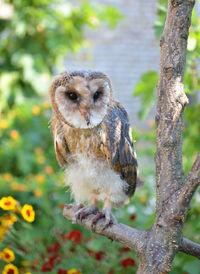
[
  {"x": 124, "y": 234},
  {"x": 190, "y": 248},
  {"x": 178, "y": 204},
  {"x": 190, "y": 186},
  {"x": 193, "y": 178}
]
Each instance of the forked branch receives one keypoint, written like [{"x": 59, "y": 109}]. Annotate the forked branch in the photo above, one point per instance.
[{"x": 126, "y": 235}]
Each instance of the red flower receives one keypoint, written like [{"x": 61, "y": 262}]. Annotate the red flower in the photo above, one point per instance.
[
  {"x": 53, "y": 248},
  {"x": 75, "y": 236},
  {"x": 132, "y": 217},
  {"x": 46, "y": 267},
  {"x": 54, "y": 259},
  {"x": 124, "y": 249},
  {"x": 99, "y": 256},
  {"x": 62, "y": 271},
  {"x": 127, "y": 262}
]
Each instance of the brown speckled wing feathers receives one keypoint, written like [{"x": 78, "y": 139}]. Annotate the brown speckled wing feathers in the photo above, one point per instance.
[
  {"x": 118, "y": 147},
  {"x": 60, "y": 145}
]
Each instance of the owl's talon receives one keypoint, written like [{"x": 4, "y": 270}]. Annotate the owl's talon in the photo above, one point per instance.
[
  {"x": 99, "y": 216},
  {"x": 85, "y": 211},
  {"x": 109, "y": 219}
]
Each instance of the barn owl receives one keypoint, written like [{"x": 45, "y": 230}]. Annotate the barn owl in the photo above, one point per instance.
[{"x": 93, "y": 142}]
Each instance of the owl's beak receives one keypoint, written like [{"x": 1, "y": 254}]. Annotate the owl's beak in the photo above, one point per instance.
[{"x": 86, "y": 115}]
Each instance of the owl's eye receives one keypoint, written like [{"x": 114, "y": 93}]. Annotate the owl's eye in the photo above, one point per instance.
[
  {"x": 72, "y": 96},
  {"x": 97, "y": 95}
]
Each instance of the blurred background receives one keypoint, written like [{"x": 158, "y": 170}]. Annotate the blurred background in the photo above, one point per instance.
[{"x": 39, "y": 39}]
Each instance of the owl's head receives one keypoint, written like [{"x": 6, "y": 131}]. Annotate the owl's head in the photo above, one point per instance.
[{"x": 81, "y": 98}]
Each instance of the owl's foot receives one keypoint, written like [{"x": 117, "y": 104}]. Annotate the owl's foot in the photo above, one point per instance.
[
  {"x": 85, "y": 211},
  {"x": 106, "y": 213}
]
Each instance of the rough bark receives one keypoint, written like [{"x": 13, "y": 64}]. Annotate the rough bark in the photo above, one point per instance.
[{"x": 157, "y": 246}]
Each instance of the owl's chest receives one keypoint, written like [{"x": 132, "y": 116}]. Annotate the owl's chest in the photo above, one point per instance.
[{"x": 83, "y": 141}]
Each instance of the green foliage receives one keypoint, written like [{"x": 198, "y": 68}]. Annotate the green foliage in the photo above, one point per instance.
[
  {"x": 35, "y": 39},
  {"x": 161, "y": 15},
  {"x": 191, "y": 145},
  {"x": 146, "y": 90}
]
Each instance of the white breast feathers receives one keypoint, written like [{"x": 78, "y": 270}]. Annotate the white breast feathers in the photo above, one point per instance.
[{"x": 89, "y": 178}]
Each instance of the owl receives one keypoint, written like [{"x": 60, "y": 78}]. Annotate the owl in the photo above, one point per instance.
[{"x": 93, "y": 143}]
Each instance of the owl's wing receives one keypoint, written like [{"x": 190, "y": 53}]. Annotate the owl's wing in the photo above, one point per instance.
[
  {"x": 60, "y": 144},
  {"x": 117, "y": 145}
]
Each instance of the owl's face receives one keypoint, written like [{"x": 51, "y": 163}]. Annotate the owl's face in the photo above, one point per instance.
[{"x": 81, "y": 99}]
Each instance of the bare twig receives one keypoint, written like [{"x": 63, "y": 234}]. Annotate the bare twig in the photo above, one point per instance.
[
  {"x": 190, "y": 186},
  {"x": 193, "y": 177},
  {"x": 190, "y": 248}
]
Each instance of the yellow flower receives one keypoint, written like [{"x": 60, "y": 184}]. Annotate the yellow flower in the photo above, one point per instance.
[
  {"x": 7, "y": 255},
  {"x": 36, "y": 110},
  {"x": 73, "y": 271},
  {"x": 40, "y": 178},
  {"x": 7, "y": 177},
  {"x": 2, "y": 232},
  {"x": 14, "y": 134},
  {"x": 25, "y": 263},
  {"x": 10, "y": 269},
  {"x": 28, "y": 213},
  {"x": 38, "y": 192},
  {"x": 8, "y": 203},
  {"x": 46, "y": 104},
  {"x": 48, "y": 169},
  {"x": 143, "y": 199},
  {"x": 8, "y": 220},
  {"x": 18, "y": 187},
  {"x": 3, "y": 124},
  {"x": 41, "y": 159},
  {"x": 40, "y": 27},
  {"x": 38, "y": 151}
]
